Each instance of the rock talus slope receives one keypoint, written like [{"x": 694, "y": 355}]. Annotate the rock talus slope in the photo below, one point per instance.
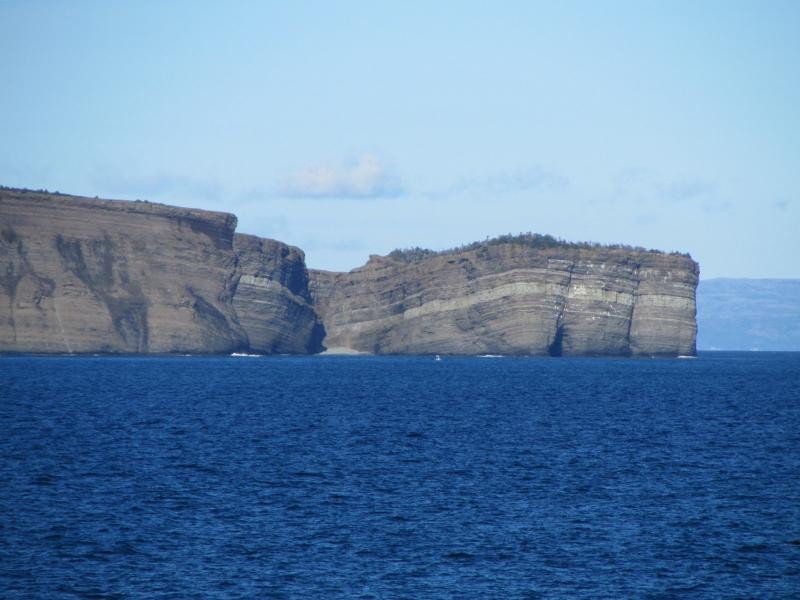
[{"x": 514, "y": 299}]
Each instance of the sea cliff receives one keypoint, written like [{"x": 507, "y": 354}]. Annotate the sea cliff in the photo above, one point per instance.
[
  {"x": 272, "y": 299},
  {"x": 82, "y": 275},
  {"x": 514, "y": 298}
]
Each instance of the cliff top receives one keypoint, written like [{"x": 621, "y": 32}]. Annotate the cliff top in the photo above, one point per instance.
[
  {"x": 244, "y": 241},
  {"x": 220, "y": 219},
  {"x": 531, "y": 240}
]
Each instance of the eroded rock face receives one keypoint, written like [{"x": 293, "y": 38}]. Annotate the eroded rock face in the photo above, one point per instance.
[
  {"x": 83, "y": 275},
  {"x": 272, "y": 299},
  {"x": 514, "y": 299}
]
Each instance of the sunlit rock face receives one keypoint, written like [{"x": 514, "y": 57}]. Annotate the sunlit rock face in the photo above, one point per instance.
[
  {"x": 514, "y": 299},
  {"x": 87, "y": 275}
]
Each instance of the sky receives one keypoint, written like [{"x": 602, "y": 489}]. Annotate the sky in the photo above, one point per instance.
[{"x": 353, "y": 128}]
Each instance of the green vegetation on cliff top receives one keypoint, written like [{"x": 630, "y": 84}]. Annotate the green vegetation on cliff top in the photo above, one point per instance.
[{"x": 532, "y": 240}]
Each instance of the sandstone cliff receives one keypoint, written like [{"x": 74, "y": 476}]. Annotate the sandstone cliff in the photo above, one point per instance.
[
  {"x": 514, "y": 299},
  {"x": 272, "y": 299},
  {"x": 84, "y": 275}
]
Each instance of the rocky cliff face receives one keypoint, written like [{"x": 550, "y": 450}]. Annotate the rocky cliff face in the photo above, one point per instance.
[
  {"x": 272, "y": 299},
  {"x": 514, "y": 299},
  {"x": 83, "y": 275}
]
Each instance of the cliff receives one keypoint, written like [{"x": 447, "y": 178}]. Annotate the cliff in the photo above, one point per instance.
[
  {"x": 272, "y": 299},
  {"x": 514, "y": 299},
  {"x": 87, "y": 275}
]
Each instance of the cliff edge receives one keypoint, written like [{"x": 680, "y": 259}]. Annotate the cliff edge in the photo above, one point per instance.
[
  {"x": 84, "y": 275},
  {"x": 514, "y": 298},
  {"x": 272, "y": 299}
]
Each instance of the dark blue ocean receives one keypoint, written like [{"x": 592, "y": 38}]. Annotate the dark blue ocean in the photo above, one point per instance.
[{"x": 383, "y": 477}]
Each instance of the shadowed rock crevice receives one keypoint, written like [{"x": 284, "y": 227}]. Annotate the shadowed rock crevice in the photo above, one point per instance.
[{"x": 556, "y": 348}]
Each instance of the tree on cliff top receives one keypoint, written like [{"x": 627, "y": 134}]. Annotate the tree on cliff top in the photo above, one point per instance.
[{"x": 531, "y": 240}]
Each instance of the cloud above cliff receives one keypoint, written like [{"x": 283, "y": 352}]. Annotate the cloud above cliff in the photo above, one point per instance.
[{"x": 364, "y": 177}]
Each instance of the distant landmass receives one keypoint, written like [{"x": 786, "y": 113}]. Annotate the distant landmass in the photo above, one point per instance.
[
  {"x": 83, "y": 275},
  {"x": 748, "y": 314}
]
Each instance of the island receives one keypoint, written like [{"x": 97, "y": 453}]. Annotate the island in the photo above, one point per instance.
[{"x": 86, "y": 275}]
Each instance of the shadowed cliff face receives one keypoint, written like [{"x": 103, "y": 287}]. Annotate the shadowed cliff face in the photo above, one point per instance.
[
  {"x": 514, "y": 299},
  {"x": 272, "y": 299},
  {"x": 82, "y": 275}
]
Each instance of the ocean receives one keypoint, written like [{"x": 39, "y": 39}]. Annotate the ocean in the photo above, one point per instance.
[{"x": 400, "y": 477}]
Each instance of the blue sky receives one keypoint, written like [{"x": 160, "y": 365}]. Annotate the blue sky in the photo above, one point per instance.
[{"x": 352, "y": 128}]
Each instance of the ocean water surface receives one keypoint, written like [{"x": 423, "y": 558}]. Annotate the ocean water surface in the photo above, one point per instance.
[{"x": 398, "y": 477}]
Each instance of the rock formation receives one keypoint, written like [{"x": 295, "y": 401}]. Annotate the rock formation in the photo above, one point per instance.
[
  {"x": 272, "y": 299},
  {"x": 84, "y": 275},
  {"x": 511, "y": 298}
]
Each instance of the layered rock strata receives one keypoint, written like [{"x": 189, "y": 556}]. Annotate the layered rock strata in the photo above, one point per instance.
[
  {"x": 272, "y": 299},
  {"x": 514, "y": 299},
  {"x": 86, "y": 275},
  {"x": 83, "y": 275}
]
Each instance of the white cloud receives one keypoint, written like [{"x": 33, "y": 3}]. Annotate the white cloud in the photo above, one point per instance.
[{"x": 366, "y": 177}]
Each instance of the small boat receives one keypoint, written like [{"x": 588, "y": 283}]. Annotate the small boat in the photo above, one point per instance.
[{"x": 437, "y": 357}]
